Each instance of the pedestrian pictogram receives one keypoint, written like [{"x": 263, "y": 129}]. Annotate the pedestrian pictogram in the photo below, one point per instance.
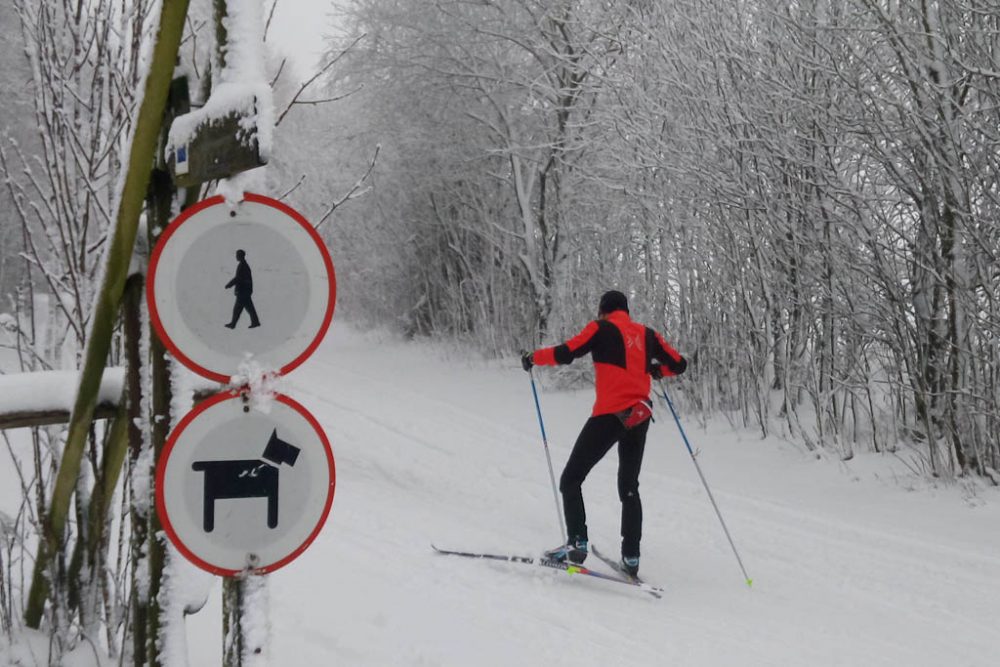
[
  {"x": 238, "y": 488},
  {"x": 242, "y": 283},
  {"x": 274, "y": 303}
]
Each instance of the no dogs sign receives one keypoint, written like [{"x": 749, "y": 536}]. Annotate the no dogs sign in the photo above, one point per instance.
[
  {"x": 231, "y": 282},
  {"x": 238, "y": 489}
]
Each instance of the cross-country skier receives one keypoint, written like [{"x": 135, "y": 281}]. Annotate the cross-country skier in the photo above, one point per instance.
[{"x": 624, "y": 353}]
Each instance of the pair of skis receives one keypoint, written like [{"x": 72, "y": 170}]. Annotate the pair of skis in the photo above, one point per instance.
[{"x": 569, "y": 568}]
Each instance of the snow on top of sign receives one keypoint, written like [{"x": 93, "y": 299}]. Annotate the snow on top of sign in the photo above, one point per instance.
[
  {"x": 53, "y": 390},
  {"x": 242, "y": 86},
  {"x": 234, "y": 188},
  {"x": 249, "y": 100}
]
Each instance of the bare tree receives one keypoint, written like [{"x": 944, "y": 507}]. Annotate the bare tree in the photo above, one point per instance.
[
  {"x": 803, "y": 191},
  {"x": 83, "y": 62}
]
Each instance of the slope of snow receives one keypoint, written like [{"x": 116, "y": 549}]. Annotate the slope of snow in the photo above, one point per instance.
[{"x": 852, "y": 564}]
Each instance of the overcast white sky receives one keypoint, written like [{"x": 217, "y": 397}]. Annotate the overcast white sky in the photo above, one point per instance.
[{"x": 298, "y": 27}]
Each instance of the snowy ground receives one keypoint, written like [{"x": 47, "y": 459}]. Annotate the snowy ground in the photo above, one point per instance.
[{"x": 853, "y": 564}]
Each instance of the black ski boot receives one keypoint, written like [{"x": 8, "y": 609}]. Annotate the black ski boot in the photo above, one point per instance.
[
  {"x": 574, "y": 551},
  {"x": 630, "y": 565}
]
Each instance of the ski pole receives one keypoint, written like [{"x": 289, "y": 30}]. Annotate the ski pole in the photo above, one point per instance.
[
  {"x": 548, "y": 457},
  {"x": 694, "y": 459}
]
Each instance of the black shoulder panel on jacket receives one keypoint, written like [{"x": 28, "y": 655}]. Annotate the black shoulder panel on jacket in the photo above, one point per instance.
[{"x": 609, "y": 347}]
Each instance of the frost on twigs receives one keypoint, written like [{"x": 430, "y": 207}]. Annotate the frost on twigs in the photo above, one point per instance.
[{"x": 259, "y": 384}]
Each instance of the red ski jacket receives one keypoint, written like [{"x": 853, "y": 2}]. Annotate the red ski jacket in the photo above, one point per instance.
[{"x": 622, "y": 351}]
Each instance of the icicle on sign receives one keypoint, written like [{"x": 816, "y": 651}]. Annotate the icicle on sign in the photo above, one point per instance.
[
  {"x": 238, "y": 489},
  {"x": 252, "y": 279}
]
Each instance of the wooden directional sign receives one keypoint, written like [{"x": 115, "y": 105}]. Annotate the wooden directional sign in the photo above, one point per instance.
[
  {"x": 232, "y": 283},
  {"x": 220, "y": 148},
  {"x": 238, "y": 489}
]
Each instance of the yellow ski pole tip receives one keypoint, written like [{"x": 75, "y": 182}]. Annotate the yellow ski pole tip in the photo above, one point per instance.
[{"x": 750, "y": 583}]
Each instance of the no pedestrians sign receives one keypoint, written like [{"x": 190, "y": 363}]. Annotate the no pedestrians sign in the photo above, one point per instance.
[{"x": 251, "y": 280}]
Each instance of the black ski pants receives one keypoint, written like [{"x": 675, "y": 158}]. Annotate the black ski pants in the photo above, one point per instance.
[{"x": 594, "y": 441}]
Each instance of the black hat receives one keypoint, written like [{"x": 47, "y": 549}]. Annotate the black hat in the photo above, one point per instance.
[{"x": 612, "y": 301}]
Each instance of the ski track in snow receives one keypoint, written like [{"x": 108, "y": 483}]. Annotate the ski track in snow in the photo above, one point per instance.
[{"x": 431, "y": 448}]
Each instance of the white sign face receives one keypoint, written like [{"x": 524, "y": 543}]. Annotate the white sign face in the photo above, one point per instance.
[
  {"x": 253, "y": 280},
  {"x": 239, "y": 489}
]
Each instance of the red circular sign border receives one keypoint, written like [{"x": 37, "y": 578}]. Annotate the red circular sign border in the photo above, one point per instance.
[
  {"x": 161, "y": 243},
  {"x": 161, "y": 468}
]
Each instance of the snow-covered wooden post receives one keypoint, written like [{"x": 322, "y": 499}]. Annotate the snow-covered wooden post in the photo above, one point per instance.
[
  {"x": 216, "y": 142},
  {"x": 161, "y": 194},
  {"x": 241, "y": 598},
  {"x": 132, "y": 325},
  {"x": 119, "y": 254}
]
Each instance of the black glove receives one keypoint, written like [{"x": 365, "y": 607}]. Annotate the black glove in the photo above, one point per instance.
[
  {"x": 656, "y": 371},
  {"x": 526, "y": 361}
]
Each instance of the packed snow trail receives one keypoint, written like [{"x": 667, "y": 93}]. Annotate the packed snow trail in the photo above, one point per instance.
[{"x": 853, "y": 564}]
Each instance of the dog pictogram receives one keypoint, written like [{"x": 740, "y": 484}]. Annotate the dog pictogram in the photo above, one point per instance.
[{"x": 246, "y": 478}]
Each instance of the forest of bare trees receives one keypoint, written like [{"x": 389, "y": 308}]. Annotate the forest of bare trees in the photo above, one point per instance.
[{"x": 803, "y": 195}]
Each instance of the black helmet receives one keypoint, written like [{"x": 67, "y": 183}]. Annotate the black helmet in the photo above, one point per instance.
[{"x": 612, "y": 301}]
